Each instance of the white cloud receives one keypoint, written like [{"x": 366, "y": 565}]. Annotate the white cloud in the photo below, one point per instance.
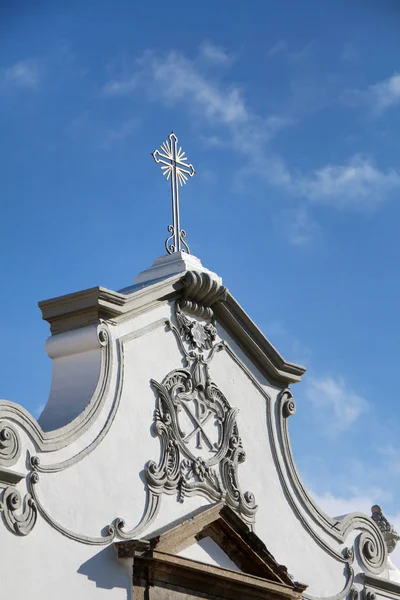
[
  {"x": 174, "y": 79},
  {"x": 214, "y": 54},
  {"x": 379, "y": 97},
  {"x": 336, "y": 506},
  {"x": 336, "y": 405},
  {"x": 386, "y": 94},
  {"x": 25, "y": 73},
  {"x": 356, "y": 184}
]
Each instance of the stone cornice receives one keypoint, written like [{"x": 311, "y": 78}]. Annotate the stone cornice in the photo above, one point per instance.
[
  {"x": 269, "y": 361},
  {"x": 189, "y": 575},
  {"x": 379, "y": 584},
  {"x": 259, "y": 571},
  {"x": 200, "y": 294},
  {"x": 90, "y": 306},
  {"x": 80, "y": 308}
]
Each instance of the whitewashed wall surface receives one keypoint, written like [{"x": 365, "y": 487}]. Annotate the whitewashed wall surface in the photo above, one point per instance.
[{"x": 165, "y": 397}]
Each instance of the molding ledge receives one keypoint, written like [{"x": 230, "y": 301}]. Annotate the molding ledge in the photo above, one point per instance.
[
  {"x": 378, "y": 584},
  {"x": 253, "y": 342},
  {"x": 200, "y": 293},
  {"x": 9, "y": 477},
  {"x": 260, "y": 575}
]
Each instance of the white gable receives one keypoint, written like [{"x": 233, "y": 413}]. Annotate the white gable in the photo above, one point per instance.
[
  {"x": 207, "y": 551},
  {"x": 123, "y": 461}
]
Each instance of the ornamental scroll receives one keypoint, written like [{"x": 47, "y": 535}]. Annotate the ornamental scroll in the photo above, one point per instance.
[{"x": 201, "y": 447}]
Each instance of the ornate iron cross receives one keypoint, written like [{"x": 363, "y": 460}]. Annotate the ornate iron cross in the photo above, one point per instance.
[{"x": 174, "y": 166}]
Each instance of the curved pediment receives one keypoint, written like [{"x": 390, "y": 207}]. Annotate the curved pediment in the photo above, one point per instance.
[
  {"x": 224, "y": 539},
  {"x": 167, "y": 399}
]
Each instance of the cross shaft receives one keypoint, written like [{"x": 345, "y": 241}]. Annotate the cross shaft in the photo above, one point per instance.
[{"x": 175, "y": 167}]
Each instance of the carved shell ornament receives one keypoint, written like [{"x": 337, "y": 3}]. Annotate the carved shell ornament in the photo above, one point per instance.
[{"x": 201, "y": 447}]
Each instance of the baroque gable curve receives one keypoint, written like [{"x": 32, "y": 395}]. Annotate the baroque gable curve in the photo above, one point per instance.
[{"x": 201, "y": 447}]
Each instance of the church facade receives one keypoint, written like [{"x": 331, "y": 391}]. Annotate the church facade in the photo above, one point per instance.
[{"x": 161, "y": 465}]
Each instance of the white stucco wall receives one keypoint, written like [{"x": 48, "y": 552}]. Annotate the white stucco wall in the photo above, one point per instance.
[{"x": 108, "y": 482}]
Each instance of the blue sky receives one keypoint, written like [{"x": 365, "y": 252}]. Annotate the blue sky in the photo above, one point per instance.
[{"x": 290, "y": 113}]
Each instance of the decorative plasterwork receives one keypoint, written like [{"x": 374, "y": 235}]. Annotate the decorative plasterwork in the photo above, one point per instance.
[
  {"x": 50, "y": 441},
  {"x": 19, "y": 513},
  {"x": 389, "y": 533},
  {"x": 344, "y": 593},
  {"x": 183, "y": 469},
  {"x": 354, "y": 594},
  {"x": 370, "y": 544},
  {"x": 200, "y": 292},
  {"x": 19, "y": 510},
  {"x": 10, "y": 447},
  {"x": 380, "y": 586},
  {"x": 200, "y": 444},
  {"x": 372, "y": 551},
  {"x": 197, "y": 288}
]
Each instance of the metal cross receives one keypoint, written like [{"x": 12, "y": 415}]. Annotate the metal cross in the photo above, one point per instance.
[{"x": 174, "y": 167}]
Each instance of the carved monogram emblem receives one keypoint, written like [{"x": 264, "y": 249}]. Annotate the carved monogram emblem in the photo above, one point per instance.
[
  {"x": 200, "y": 443},
  {"x": 199, "y": 417}
]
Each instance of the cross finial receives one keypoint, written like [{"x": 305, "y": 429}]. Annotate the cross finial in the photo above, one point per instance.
[{"x": 175, "y": 167}]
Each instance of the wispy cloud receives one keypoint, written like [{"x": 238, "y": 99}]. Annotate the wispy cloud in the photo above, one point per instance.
[
  {"x": 359, "y": 183},
  {"x": 282, "y": 48},
  {"x": 174, "y": 79},
  {"x": 214, "y": 54},
  {"x": 24, "y": 74},
  {"x": 177, "y": 79},
  {"x": 385, "y": 94},
  {"x": 336, "y": 506},
  {"x": 298, "y": 225},
  {"x": 337, "y": 405},
  {"x": 378, "y": 97}
]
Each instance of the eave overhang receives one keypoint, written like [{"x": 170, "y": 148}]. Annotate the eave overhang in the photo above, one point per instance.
[{"x": 197, "y": 289}]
